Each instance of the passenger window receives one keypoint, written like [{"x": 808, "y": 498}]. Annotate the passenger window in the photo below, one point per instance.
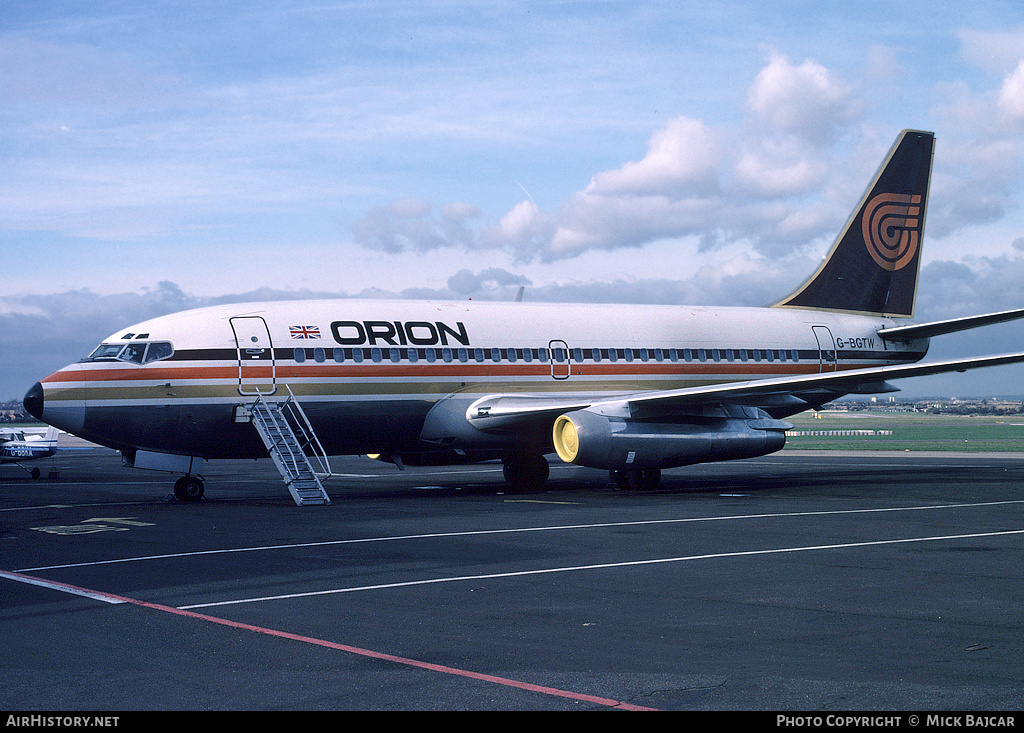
[
  {"x": 319, "y": 356},
  {"x": 300, "y": 355},
  {"x": 339, "y": 355}
]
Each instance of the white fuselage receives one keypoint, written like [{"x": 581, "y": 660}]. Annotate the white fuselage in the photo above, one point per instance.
[{"x": 369, "y": 372}]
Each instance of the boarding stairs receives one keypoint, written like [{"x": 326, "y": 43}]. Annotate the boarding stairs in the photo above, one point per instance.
[{"x": 289, "y": 437}]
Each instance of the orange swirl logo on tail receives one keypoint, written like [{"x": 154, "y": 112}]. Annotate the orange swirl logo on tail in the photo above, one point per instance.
[{"x": 892, "y": 229}]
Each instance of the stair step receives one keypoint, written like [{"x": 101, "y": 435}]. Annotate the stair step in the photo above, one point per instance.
[{"x": 288, "y": 455}]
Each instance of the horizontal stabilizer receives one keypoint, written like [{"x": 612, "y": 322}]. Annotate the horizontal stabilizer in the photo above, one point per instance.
[{"x": 938, "y": 328}]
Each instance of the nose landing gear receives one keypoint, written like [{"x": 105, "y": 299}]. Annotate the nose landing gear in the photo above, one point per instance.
[{"x": 189, "y": 488}]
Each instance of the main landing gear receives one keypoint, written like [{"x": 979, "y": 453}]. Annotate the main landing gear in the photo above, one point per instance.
[
  {"x": 189, "y": 488},
  {"x": 33, "y": 472},
  {"x": 525, "y": 471},
  {"x": 637, "y": 479}
]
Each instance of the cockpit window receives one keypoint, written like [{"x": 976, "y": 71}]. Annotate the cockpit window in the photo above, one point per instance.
[
  {"x": 106, "y": 351},
  {"x": 137, "y": 352},
  {"x": 159, "y": 350},
  {"x": 133, "y": 352}
]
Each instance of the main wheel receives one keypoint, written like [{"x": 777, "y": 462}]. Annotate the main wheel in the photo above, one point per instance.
[
  {"x": 637, "y": 479},
  {"x": 526, "y": 471},
  {"x": 189, "y": 488}
]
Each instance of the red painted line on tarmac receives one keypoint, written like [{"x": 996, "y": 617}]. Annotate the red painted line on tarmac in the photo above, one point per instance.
[{"x": 112, "y": 598}]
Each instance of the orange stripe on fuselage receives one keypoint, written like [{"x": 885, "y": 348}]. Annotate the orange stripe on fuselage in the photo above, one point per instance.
[{"x": 476, "y": 370}]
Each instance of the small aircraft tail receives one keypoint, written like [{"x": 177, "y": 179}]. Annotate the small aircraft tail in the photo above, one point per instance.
[
  {"x": 50, "y": 438},
  {"x": 872, "y": 267}
]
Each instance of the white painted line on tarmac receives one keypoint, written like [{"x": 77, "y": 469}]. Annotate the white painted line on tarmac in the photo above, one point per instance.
[
  {"x": 551, "y": 528},
  {"x": 600, "y": 566},
  {"x": 63, "y": 587}
]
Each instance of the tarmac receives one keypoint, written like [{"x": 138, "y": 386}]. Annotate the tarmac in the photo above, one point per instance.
[{"x": 831, "y": 581}]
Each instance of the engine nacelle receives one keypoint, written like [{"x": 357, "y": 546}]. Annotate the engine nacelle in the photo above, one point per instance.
[{"x": 595, "y": 441}]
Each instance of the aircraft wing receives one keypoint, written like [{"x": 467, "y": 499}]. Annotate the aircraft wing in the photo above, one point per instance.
[{"x": 500, "y": 412}]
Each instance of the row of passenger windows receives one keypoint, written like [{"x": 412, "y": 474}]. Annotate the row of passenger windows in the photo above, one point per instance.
[{"x": 558, "y": 355}]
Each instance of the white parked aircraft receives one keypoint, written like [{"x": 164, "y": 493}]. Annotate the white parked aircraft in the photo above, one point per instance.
[
  {"x": 632, "y": 389},
  {"x": 18, "y": 445}
]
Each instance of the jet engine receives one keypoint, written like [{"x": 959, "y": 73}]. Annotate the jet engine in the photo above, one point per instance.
[{"x": 725, "y": 433}]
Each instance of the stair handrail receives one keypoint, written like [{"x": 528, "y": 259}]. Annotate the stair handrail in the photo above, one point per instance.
[{"x": 310, "y": 436}]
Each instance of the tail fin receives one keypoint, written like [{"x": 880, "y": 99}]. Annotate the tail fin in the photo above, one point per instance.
[{"x": 873, "y": 265}]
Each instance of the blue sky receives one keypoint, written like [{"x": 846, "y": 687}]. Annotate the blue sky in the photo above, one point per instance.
[{"x": 159, "y": 155}]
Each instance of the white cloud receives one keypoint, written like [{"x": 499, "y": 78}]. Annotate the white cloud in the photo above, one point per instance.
[
  {"x": 682, "y": 159},
  {"x": 1011, "y": 94},
  {"x": 995, "y": 51},
  {"x": 807, "y": 101},
  {"x": 695, "y": 179},
  {"x": 525, "y": 230},
  {"x": 776, "y": 168}
]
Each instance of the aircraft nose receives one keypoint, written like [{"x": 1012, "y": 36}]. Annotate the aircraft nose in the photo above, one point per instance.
[{"x": 33, "y": 401}]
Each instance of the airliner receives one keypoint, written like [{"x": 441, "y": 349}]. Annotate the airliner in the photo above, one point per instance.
[{"x": 626, "y": 388}]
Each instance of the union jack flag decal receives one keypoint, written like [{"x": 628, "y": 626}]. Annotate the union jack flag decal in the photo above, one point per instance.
[{"x": 305, "y": 332}]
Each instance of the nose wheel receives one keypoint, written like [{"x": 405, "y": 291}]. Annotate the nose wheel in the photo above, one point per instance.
[{"x": 189, "y": 488}]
